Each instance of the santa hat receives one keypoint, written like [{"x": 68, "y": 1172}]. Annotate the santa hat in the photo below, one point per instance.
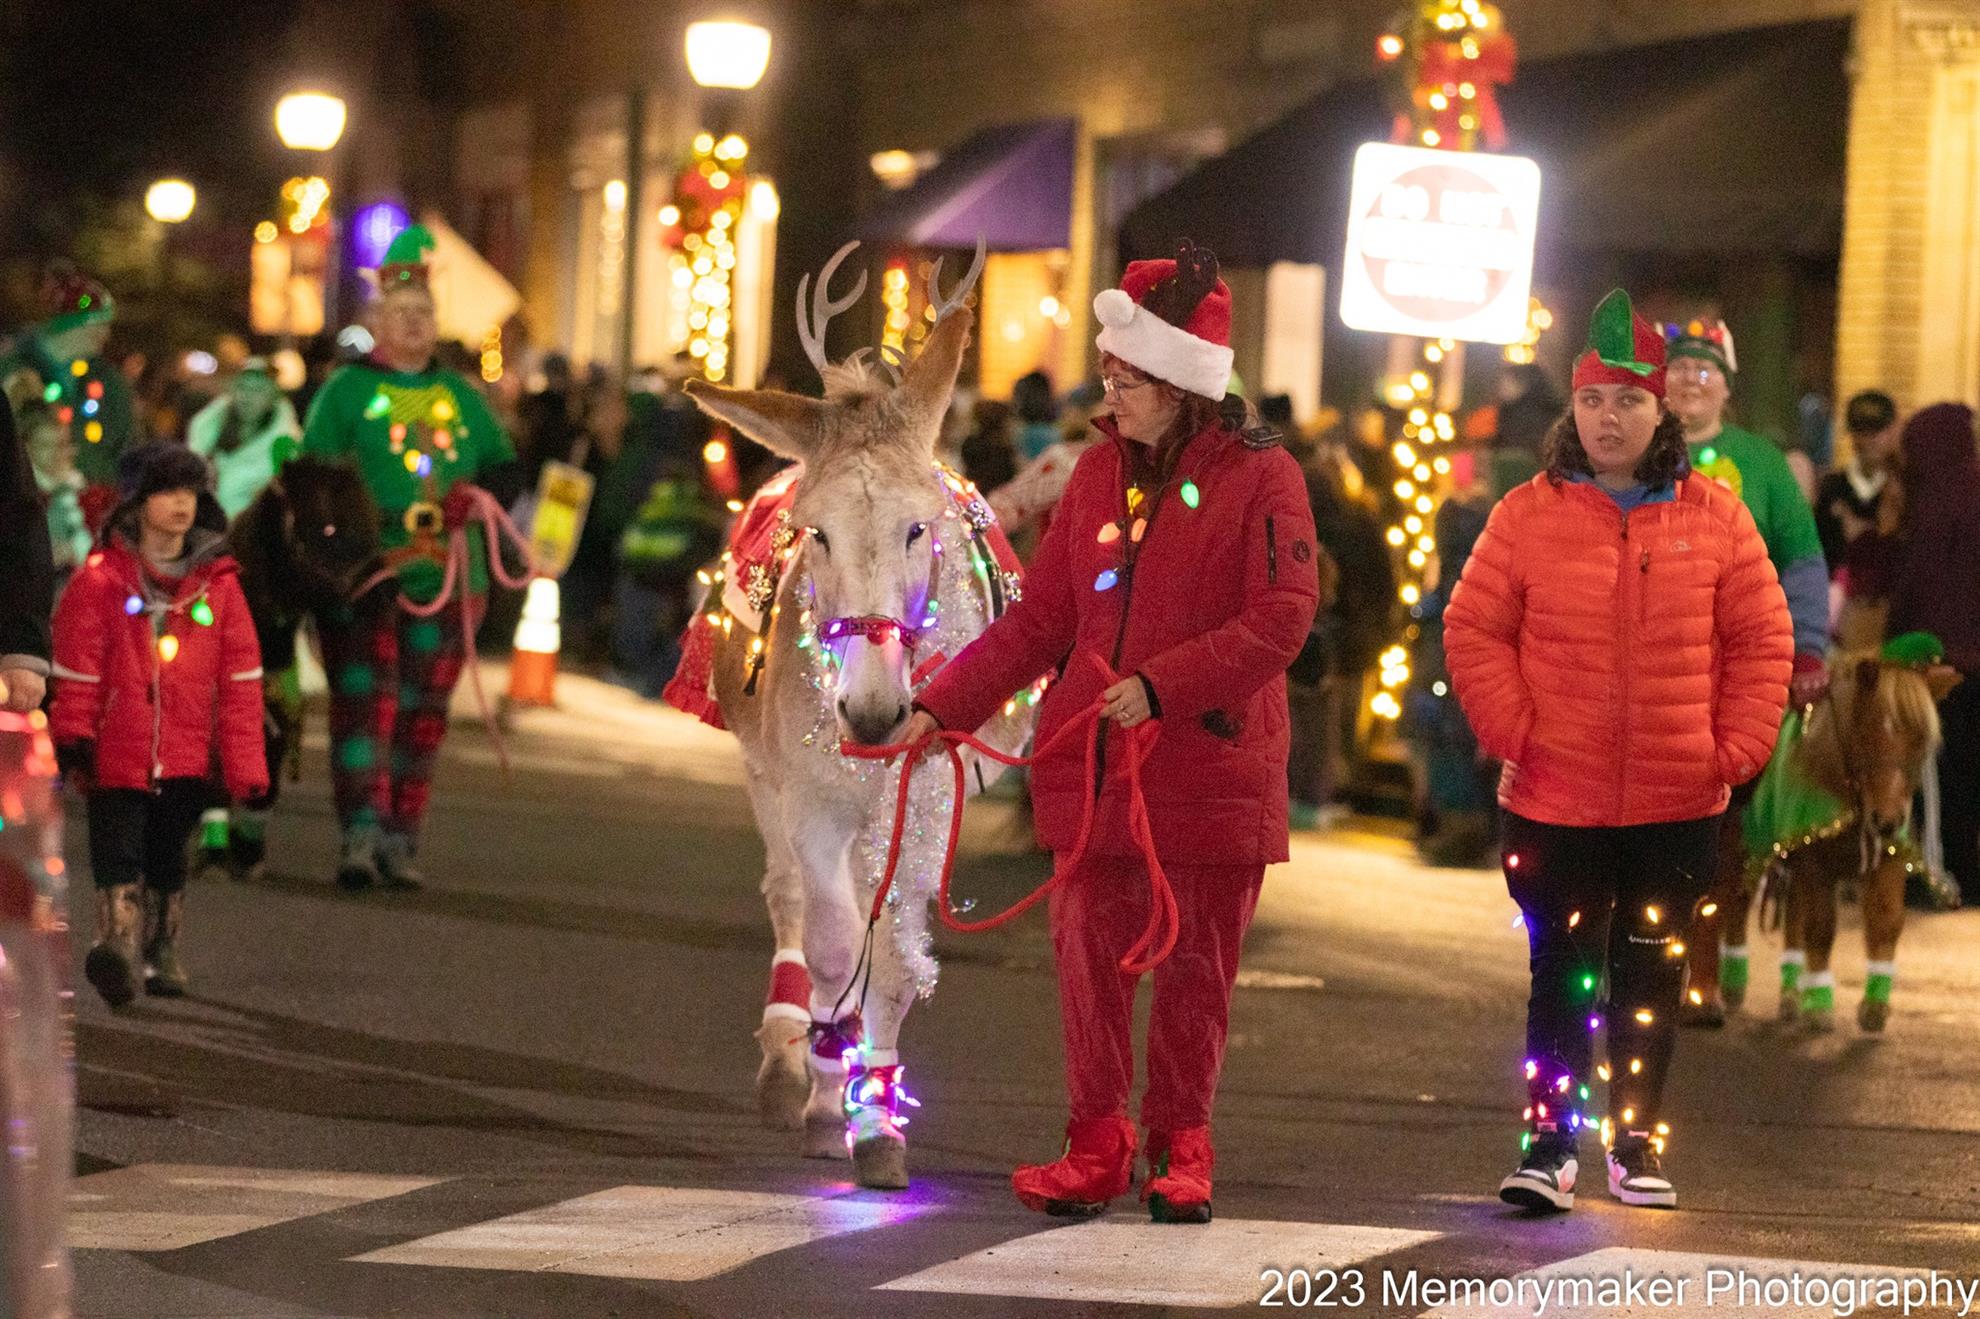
[
  {"x": 1623, "y": 348},
  {"x": 405, "y": 263},
  {"x": 1711, "y": 340},
  {"x": 70, "y": 299},
  {"x": 1171, "y": 319}
]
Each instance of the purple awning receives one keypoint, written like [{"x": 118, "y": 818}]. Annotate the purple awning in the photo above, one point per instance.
[{"x": 1011, "y": 185}]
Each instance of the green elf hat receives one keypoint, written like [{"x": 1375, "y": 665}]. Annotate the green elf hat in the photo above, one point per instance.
[
  {"x": 1710, "y": 340},
  {"x": 71, "y": 299},
  {"x": 1914, "y": 650},
  {"x": 405, "y": 260},
  {"x": 1623, "y": 348}
]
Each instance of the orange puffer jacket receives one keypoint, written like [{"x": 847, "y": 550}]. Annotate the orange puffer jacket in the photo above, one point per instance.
[{"x": 1626, "y": 667}]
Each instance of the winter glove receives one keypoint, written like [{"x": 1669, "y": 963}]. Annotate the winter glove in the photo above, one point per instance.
[
  {"x": 1810, "y": 680},
  {"x": 77, "y": 761}
]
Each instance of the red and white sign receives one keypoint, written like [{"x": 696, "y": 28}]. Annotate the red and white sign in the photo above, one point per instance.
[{"x": 1440, "y": 243}]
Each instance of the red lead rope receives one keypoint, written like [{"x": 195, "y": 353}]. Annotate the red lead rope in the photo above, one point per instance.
[{"x": 1157, "y": 940}]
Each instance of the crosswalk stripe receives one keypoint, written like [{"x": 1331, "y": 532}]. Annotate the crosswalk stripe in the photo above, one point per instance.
[
  {"x": 660, "y": 1233},
  {"x": 1220, "y": 1264},
  {"x": 168, "y": 1206},
  {"x": 1617, "y": 1282}
]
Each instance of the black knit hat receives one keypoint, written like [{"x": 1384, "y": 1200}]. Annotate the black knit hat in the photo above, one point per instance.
[{"x": 151, "y": 468}]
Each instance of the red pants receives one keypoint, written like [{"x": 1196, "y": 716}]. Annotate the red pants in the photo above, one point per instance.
[{"x": 1096, "y": 917}]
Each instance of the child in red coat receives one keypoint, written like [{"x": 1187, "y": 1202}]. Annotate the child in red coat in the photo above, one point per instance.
[
  {"x": 154, "y": 653},
  {"x": 1183, "y": 558}
]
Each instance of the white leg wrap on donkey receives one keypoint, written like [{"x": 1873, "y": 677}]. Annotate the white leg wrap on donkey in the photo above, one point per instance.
[{"x": 783, "y": 1083}]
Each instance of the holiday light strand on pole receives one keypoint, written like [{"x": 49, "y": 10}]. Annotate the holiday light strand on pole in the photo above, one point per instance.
[
  {"x": 1452, "y": 54},
  {"x": 700, "y": 224}
]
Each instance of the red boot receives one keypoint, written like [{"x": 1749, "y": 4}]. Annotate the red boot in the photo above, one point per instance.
[
  {"x": 1179, "y": 1165},
  {"x": 1096, "y": 1167}
]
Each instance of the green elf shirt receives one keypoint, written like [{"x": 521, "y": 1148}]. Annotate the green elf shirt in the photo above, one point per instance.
[
  {"x": 1754, "y": 469},
  {"x": 412, "y": 435},
  {"x": 94, "y": 400}
]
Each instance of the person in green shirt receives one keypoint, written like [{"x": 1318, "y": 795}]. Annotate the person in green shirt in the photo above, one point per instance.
[
  {"x": 419, "y": 435},
  {"x": 1702, "y": 366},
  {"x": 246, "y": 433},
  {"x": 86, "y": 391}
]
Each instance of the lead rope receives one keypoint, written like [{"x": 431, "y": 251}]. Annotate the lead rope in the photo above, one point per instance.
[
  {"x": 1158, "y": 937},
  {"x": 497, "y": 526}
]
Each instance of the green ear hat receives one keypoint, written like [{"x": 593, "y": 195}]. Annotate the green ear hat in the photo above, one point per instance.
[
  {"x": 1916, "y": 649},
  {"x": 405, "y": 259},
  {"x": 1612, "y": 334}
]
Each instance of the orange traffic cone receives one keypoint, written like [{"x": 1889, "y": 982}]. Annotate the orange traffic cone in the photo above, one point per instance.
[{"x": 533, "y": 663}]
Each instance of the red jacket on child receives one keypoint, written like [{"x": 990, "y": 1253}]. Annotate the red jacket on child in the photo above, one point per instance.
[
  {"x": 152, "y": 669},
  {"x": 1219, "y": 602}
]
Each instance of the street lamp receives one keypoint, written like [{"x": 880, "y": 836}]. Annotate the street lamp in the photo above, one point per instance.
[
  {"x": 169, "y": 201},
  {"x": 727, "y": 54},
  {"x": 309, "y": 121},
  {"x": 314, "y": 121}
]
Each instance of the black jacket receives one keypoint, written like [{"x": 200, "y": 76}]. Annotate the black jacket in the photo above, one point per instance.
[{"x": 27, "y": 567}]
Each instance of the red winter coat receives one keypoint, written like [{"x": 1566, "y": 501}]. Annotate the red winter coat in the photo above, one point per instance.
[
  {"x": 1626, "y": 667},
  {"x": 151, "y": 718},
  {"x": 1218, "y": 603}
]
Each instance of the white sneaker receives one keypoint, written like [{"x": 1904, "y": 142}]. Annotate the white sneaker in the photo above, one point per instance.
[
  {"x": 1636, "y": 1175},
  {"x": 1545, "y": 1177}
]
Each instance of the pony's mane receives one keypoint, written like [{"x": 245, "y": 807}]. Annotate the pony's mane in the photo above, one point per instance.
[{"x": 1904, "y": 694}]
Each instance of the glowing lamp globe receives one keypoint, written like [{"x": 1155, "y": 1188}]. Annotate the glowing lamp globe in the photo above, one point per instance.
[
  {"x": 169, "y": 201},
  {"x": 727, "y": 54},
  {"x": 309, "y": 121}
]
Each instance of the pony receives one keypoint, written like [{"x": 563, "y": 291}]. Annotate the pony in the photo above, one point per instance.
[
  {"x": 880, "y": 564},
  {"x": 1834, "y": 805},
  {"x": 303, "y": 545}
]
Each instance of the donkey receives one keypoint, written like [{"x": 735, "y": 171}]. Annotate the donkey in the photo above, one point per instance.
[
  {"x": 1864, "y": 748},
  {"x": 304, "y": 544},
  {"x": 880, "y": 570}
]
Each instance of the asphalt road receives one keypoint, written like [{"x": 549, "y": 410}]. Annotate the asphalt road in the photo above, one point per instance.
[{"x": 526, "y": 1091}]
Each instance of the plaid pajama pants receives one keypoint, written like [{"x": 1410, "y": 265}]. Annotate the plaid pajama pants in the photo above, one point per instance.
[{"x": 391, "y": 676}]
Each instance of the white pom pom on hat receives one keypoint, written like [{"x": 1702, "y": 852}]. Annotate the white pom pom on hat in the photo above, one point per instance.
[{"x": 1114, "y": 307}]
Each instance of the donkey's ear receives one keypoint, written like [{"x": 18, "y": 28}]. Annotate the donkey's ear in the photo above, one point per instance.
[
  {"x": 789, "y": 425},
  {"x": 922, "y": 397}
]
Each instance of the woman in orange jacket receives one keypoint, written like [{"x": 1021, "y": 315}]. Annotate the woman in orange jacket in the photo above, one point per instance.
[{"x": 1620, "y": 640}]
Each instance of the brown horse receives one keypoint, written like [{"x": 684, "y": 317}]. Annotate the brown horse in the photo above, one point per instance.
[{"x": 1836, "y": 804}]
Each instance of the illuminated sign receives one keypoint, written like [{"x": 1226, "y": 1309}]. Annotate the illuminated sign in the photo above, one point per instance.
[{"x": 1440, "y": 244}]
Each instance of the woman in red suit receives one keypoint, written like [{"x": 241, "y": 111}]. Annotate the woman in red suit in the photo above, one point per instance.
[{"x": 1183, "y": 558}]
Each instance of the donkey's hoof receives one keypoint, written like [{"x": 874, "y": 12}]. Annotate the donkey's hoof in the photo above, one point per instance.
[
  {"x": 1818, "y": 1021},
  {"x": 1790, "y": 1011},
  {"x": 782, "y": 1084},
  {"x": 880, "y": 1162},
  {"x": 1873, "y": 1015},
  {"x": 1734, "y": 995},
  {"x": 825, "y": 1139}
]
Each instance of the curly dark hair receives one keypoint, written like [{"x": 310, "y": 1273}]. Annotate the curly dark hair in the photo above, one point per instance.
[{"x": 1662, "y": 464}]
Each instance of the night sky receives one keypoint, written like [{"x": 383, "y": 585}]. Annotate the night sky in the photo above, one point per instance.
[{"x": 99, "y": 97}]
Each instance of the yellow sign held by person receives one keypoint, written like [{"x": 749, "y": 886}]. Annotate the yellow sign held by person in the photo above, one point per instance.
[{"x": 563, "y": 497}]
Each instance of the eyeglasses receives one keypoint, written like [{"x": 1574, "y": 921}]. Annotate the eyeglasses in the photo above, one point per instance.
[{"x": 1120, "y": 384}]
